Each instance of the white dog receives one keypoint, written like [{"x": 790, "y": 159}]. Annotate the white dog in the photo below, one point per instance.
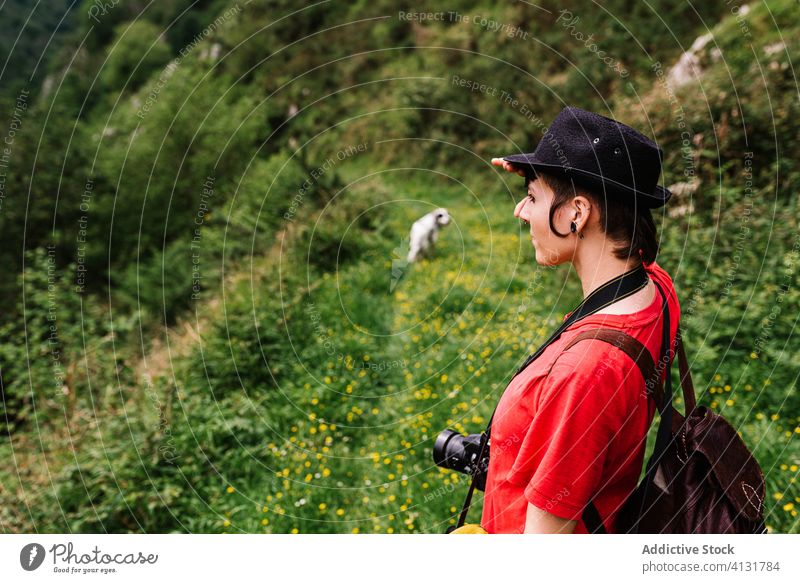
[{"x": 425, "y": 232}]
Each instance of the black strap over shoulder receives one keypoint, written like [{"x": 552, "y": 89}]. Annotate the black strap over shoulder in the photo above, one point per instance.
[{"x": 612, "y": 291}]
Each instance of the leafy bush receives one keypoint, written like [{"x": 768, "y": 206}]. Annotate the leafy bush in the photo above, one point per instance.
[
  {"x": 136, "y": 52},
  {"x": 302, "y": 390}
]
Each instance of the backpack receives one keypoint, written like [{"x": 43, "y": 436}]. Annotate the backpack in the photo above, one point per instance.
[{"x": 701, "y": 478}]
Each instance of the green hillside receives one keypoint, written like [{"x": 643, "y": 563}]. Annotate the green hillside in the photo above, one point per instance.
[{"x": 211, "y": 326}]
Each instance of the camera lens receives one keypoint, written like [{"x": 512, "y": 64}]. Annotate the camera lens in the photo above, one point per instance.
[
  {"x": 444, "y": 454},
  {"x": 462, "y": 453}
]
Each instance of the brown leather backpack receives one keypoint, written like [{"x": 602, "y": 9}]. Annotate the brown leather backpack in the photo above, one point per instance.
[{"x": 701, "y": 478}]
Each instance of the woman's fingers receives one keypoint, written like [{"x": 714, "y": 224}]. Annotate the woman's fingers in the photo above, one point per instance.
[{"x": 508, "y": 166}]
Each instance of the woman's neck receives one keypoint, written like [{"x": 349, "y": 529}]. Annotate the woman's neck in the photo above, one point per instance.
[{"x": 595, "y": 269}]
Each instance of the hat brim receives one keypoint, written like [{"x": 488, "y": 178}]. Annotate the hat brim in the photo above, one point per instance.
[{"x": 655, "y": 199}]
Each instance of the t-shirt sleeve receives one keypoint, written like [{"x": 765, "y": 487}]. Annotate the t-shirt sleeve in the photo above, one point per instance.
[{"x": 578, "y": 412}]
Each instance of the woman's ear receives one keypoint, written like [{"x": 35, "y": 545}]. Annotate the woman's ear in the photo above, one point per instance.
[{"x": 581, "y": 211}]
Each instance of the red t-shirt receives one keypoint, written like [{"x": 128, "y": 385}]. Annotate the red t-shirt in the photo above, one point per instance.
[{"x": 579, "y": 432}]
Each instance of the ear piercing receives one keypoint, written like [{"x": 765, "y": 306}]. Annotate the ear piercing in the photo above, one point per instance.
[{"x": 573, "y": 227}]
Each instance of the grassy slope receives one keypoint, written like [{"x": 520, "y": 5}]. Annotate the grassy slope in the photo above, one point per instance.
[{"x": 266, "y": 461}]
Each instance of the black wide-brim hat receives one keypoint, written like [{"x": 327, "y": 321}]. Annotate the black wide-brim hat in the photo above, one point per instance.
[{"x": 600, "y": 154}]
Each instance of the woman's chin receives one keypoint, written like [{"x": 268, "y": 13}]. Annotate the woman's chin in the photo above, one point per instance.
[
  {"x": 536, "y": 253},
  {"x": 542, "y": 258}
]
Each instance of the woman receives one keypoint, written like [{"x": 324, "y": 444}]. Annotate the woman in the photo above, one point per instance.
[{"x": 571, "y": 427}]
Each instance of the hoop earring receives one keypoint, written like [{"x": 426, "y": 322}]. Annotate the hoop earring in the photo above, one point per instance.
[{"x": 573, "y": 227}]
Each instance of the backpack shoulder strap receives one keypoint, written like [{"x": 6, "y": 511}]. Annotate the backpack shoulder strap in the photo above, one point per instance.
[
  {"x": 633, "y": 348},
  {"x": 686, "y": 376},
  {"x": 644, "y": 360}
]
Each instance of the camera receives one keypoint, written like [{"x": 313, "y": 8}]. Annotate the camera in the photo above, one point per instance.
[{"x": 462, "y": 453}]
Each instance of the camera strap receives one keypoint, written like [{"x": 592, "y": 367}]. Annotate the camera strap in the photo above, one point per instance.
[{"x": 612, "y": 291}]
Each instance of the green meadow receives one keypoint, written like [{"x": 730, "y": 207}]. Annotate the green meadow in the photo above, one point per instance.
[{"x": 210, "y": 324}]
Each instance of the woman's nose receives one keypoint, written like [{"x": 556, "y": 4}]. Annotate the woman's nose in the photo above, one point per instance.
[{"x": 518, "y": 209}]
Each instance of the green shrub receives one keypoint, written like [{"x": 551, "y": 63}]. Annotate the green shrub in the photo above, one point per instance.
[{"x": 135, "y": 53}]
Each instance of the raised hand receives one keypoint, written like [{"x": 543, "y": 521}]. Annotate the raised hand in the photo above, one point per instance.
[{"x": 508, "y": 166}]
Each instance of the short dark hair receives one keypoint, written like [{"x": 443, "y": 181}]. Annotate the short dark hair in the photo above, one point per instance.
[{"x": 631, "y": 228}]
